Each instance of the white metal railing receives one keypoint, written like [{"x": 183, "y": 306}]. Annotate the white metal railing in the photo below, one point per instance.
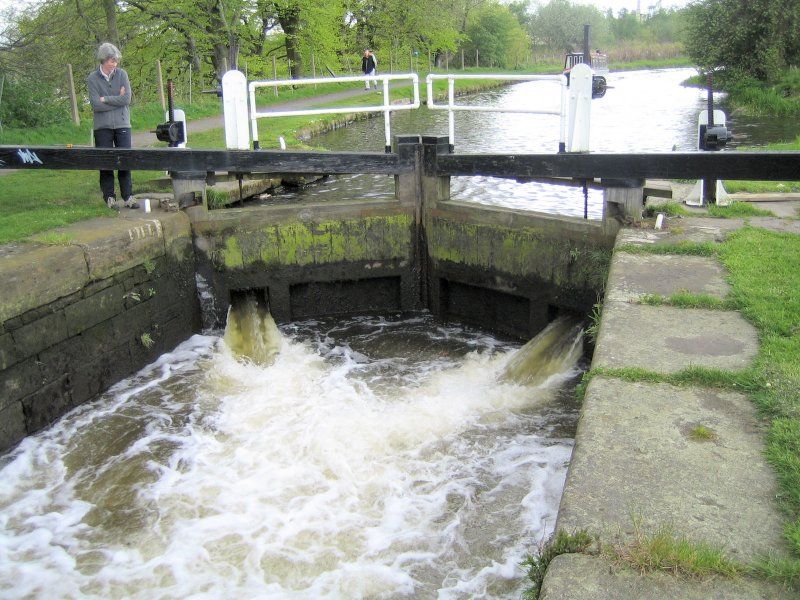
[
  {"x": 386, "y": 108},
  {"x": 452, "y": 107}
]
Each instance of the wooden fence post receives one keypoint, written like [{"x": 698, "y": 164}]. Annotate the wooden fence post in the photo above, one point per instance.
[
  {"x": 161, "y": 86},
  {"x": 275, "y": 72},
  {"x": 76, "y": 118}
]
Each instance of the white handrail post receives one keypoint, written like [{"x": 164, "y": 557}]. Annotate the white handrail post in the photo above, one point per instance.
[
  {"x": 562, "y": 124},
  {"x": 580, "y": 102},
  {"x": 429, "y": 87},
  {"x": 387, "y": 116},
  {"x": 253, "y": 117},
  {"x": 451, "y": 117},
  {"x": 234, "y": 108}
]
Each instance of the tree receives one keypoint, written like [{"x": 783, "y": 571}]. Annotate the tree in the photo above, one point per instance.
[
  {"x": 423, "y": 25},
  {"x": 559, "y": 25},
  {"x": 293, "y": 29},
  {"x": 757, "y": 38},
  {"x": 496, "y": 34}
]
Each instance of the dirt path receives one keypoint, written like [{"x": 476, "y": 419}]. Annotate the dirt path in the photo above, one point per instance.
[{"x": 144, "y": 139}]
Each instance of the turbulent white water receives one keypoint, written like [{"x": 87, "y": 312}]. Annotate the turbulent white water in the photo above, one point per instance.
[{"x": 372, "y": 459}]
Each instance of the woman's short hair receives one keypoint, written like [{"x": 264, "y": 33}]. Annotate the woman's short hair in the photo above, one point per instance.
[{"x": 108, "y": 50}]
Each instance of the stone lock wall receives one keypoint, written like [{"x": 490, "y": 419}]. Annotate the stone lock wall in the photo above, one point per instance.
[
  {"x": 310, "y": 259},
  {"x": 86, "y": 306}
]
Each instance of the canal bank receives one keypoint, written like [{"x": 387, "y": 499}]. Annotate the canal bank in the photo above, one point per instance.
[
  {"x": 678, "y": 462},
  {"x": 86, "y": 306}
]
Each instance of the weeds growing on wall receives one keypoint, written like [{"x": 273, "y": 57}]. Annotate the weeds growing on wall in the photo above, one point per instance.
[{"x": 562, "y": 543}]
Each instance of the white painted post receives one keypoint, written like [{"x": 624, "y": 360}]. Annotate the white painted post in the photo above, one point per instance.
[
  {"x": 179, "y": 115},
  {"x": 234, "y": 107},
  {"x": 580, "y": 103},
  {"x": 451, "y": 116},
  {"x": 699, "y": 192},
  {"x": 387, "y": 118}
]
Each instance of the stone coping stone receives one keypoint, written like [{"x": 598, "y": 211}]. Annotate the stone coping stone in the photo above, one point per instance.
[
  {"x": 35, "y": 274},
  {"x": 704, "y": 229},
  {"x": 583, "y": 577},
  {"x": 113, "y": 245},
  {"x": 666, "y": 339},
  {"x": 694, "y": 229},
  {"x": 636, "y": 468},
  {"x": 634, "y": 275}
]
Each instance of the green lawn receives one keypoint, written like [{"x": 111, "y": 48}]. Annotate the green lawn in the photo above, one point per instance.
[{"x": 768, "y": 186}]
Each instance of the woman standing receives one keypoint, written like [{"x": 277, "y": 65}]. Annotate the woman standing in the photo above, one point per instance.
[{"x": 110, "y": 97}]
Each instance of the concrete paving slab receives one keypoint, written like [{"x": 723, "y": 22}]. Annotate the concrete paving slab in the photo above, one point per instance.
[
  {"x": 776, "y": 224},
  {"x": 692, "y": 229},
  {"x": 784, "y": 209},
  {"x": 583, "y": 577},
  {"x": 636, "y": 464},
  {"x": 634, "y": 275},
  {"x": 667, "y": 339}
]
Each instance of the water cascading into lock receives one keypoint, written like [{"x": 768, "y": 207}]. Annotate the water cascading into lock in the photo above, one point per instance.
[
  {"x": 250, "y": 330},
  {"x": 554, "y": 350}
]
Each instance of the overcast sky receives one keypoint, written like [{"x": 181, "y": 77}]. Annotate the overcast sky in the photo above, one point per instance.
[
  {"x": 615, "y": 5},
  {"x": 630, "y": 5}
]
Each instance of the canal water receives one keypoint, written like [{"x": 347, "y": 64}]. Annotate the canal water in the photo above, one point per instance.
[
  {"x": 643, "y": 111},
  {"x": 370, "y": 457},
  {"x": 375, "y": 457}
]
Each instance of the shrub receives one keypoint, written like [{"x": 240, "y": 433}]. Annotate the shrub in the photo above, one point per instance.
[{"x": 26, "y": 103}]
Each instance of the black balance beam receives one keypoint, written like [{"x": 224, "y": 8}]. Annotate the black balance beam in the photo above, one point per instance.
[{"x": 187, "y": 160}]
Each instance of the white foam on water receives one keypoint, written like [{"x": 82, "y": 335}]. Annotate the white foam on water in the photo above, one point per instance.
[{"x": 209, "y": 477}]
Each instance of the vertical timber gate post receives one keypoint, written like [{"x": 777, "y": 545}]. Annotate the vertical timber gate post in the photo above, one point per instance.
[
  {"x": 434, "y": 188},
  {"x": 623, "y": 202},
  {"x": 408, "y": 192}
]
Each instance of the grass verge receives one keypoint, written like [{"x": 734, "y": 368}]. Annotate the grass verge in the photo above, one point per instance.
[
  {"x": 688, "y": 300},
  {"x": 779, "y": 187},
  {"x": 666, "y": 552},
  {"x": 734, "y": 210}
]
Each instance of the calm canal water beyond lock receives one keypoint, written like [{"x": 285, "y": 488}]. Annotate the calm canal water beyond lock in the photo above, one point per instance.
[{"x": 643, "y": 111}]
